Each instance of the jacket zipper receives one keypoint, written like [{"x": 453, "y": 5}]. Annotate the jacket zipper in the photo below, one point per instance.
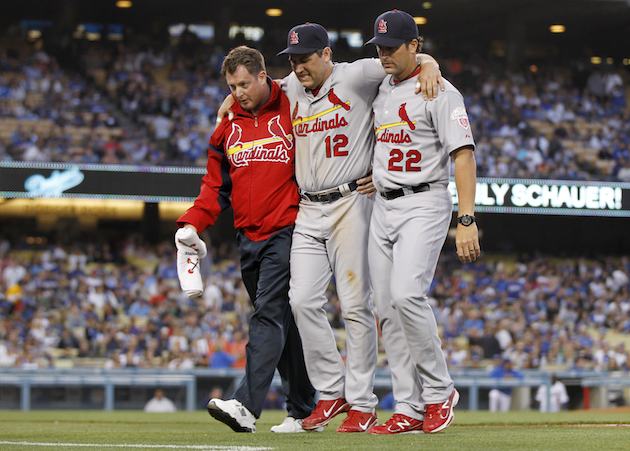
[{"x": 251, "y": 181}]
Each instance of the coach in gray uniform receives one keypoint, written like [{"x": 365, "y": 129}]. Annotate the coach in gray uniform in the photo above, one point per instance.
[
  {"x": 331, "y": 107},
  {"x": 415, "y": 143}
]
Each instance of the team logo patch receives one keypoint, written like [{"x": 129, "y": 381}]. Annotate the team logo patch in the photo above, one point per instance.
[
  {"x": 382, "y": 26},
  {"x": 332, "y": 98},
  {"x": 194, "y": 264},
  {"x": 294, "y": 39},
  {"x": 459, "y": 115},
  {"x": 276, "y": 130},
  {"x": 402, "y": 113},
  {"x": 294, "y": 114},
  {"x": 401, "y": 136},
  {"x": 274, "y": 149}
]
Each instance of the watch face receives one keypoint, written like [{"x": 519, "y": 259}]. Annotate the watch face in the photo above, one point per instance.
[{"x": 466, "y": 220}]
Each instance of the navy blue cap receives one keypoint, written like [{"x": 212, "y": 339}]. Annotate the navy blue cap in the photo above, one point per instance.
[
  {"x": 393, "y": 28},
  {"x": 306, "y": 38}
]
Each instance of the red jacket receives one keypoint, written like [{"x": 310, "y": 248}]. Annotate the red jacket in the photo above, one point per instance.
[{"x": 250, "y": 165}]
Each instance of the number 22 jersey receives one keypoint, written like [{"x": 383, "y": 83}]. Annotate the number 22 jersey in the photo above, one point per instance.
[{"x": 415, "y": 137}]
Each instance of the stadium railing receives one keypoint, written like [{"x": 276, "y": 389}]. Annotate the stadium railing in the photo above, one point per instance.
[
  {"x": 108, "y": 379},
  {"x": 471, "y": 380}
]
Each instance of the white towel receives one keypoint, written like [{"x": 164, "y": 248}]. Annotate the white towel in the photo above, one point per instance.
[
  {"x": 188, "y": 273},
  {"x": 190, "y": 249},
  {"x": 186, "y": 238}
]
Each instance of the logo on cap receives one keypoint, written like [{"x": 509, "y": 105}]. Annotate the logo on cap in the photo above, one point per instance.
[
  {"x": 293, "y": 38},
  {"x": 382, "y": 26}
]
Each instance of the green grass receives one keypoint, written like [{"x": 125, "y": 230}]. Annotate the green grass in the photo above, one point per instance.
[{"x": 470, "y": 431}]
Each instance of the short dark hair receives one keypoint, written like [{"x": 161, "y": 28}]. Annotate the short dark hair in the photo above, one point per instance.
[
  {"x": 420, "y": 40},
  {"x": 244, "y": 56}
]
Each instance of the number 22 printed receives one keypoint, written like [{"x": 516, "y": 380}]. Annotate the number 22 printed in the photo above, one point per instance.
[{"x": 411, "y": 160}]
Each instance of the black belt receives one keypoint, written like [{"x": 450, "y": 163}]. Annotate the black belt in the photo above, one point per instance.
[
  {"x": 330, "y": 195},
  {"x": 393, "y": 194}
]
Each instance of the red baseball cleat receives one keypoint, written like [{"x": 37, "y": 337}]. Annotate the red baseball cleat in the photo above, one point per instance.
[
  {"x": 357, "y": 421},
  {"x": 438, "y": 416},
  {"x": 324, "y": 411},
  {"x": 399, "y": 424}
]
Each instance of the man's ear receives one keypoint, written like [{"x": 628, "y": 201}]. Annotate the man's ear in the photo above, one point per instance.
[
  {"x": 262, "y": 76},
  {"x": 418, "y": 46},
  {"x": 327, "y": 54}
]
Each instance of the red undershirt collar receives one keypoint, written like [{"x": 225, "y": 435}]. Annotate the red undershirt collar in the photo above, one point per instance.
[{"x": 415, "y": 73}]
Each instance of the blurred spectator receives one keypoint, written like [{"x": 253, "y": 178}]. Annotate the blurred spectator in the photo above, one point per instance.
[
  {"x": 221, "y": 359},
  {"x": 501, "y": 396},
  {"x": 387, "y": 402},
  {"x": 275, "y": 400},
  {"x": 489, "y": 344},
  {"x": 552, "y": 398},
  {"x": 216, "y": 392},
  {"x": 159, "y": 403}
]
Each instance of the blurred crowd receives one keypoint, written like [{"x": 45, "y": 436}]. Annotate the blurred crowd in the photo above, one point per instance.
[
  {"x": 50, "y": 114},
  {"x": 119, "y": 305},
  {"x": 172, "y": 94},
  {"x": 552, "y": 123},
  {"x": 546, "y": 313},
  {"x": 150, "y": 104}
]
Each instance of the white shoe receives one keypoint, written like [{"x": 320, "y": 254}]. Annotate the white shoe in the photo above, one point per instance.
[
  {"x": 232, "y": 413},
  {"x": 292, "y": 425}
]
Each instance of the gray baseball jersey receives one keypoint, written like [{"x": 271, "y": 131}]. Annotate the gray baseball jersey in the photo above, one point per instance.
[
  {"x": 414, "y": 137},
  {"x": 333, "y": 129}
]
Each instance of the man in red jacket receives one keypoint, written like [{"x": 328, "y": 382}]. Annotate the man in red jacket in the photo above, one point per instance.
[{"x": 251, "y": 166}]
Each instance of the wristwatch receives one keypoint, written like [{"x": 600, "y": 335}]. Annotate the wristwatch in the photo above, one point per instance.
[{"x": 466, "y": 220}]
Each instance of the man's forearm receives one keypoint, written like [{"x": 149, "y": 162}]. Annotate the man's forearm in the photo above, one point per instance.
[
  {"x": 424, "y": 58},
  {"x": 465, "y": 180}
]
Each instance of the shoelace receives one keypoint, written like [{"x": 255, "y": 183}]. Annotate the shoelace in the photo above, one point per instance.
[
  {"x": 354, "y": 413},
  {"x": 432, "y": 410}
]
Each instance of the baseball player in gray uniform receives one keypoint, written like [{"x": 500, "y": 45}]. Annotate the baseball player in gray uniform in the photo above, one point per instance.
[
  {"x": 415, "y": 143},
  {"x": 332, "y": 119}
]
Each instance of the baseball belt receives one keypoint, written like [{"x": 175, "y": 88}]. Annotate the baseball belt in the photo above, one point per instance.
[
  {"x": 405, "y": 190},
  {"x": 332, "y": 194}
]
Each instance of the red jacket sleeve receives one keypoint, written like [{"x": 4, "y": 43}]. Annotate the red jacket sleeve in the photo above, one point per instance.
[{"x": 216, "y": 186}]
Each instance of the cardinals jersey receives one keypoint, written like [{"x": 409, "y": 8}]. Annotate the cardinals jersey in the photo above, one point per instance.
[
  {"x": 251, "y": 166},
  {"x": 415, "y": 137},
  {"x": 334, "y": 128}
]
